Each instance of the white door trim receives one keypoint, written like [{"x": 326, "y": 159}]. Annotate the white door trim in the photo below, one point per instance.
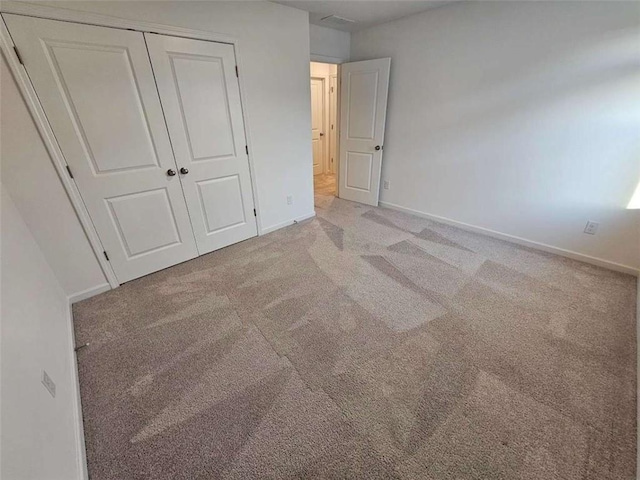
[
  {"x": 336, "y": 167},
  {"x": 327, "y": 59},
  {"x": 40, "y": 119},
  {"x": 57, "y": 13},
  {"x": 334, "y": 114}
]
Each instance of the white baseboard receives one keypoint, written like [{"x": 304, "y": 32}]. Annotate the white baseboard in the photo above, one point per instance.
[
  {"x": 81, "y": 451},
  {"x": 89, "y": 292},
  {"x": 518, "y": 240},
  {"x": 278, "y": 226}
]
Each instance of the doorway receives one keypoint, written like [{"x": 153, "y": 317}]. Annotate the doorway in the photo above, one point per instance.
[{"x": 324, "y": 127}]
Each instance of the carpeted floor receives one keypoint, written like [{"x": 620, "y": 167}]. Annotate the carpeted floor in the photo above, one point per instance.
[
  {"x": 324, "y": 184},
  {"x": 368, "y": 344}
]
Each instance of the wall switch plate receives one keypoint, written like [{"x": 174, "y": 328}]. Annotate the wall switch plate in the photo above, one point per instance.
[
  {"x": 386, "y": 185},
  {"x": 591, "y": 228},
  {"x": 289, "y": 200},
  {"x": 48, "y": 383}
]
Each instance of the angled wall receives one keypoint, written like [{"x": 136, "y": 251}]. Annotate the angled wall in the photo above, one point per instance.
[{"x": 40, "y": 433}]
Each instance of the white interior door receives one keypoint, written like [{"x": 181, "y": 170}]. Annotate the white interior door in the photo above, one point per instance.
[
  {"x": 98, "y": 91},
  {"x": 201, "y": 99},
  {"x": 363, "y": 109},
  {"x": 317, "y": 125}
]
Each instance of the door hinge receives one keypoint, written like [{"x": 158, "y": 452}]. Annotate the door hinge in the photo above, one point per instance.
[
  {"x": 237, "y": 74},
  {"x": 255, "y": 214},
  {"x": 15, "y": 49},
  {"x": 246, "y": 149},
  {"x": 69, "y": 171},
  {"x": 106, "y": 256},
  {"x": 331, "y": 89}
]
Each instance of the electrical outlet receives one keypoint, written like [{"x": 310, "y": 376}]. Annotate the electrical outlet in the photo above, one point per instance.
[
  {"x": 591, "y": 228},
  {"x": 386, "y": 185},
  {"x": 48, "y": 383},
  {"x": 289, "y": 199}
]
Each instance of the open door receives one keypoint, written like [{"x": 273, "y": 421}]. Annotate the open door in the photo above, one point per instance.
[{"x": 363, "y": 109}]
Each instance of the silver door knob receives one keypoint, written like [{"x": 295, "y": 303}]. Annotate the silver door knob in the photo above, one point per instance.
[
  {"x": 378, "y": 147},
  {"x": 184, "y": 171},
  {"x": 171, "y": 172}
]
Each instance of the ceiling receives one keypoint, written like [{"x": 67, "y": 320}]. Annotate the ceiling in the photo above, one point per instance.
[{"x": 365, "y": 13}]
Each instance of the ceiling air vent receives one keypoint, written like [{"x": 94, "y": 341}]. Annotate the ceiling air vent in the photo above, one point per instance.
[{"x": 336, "y": 20}]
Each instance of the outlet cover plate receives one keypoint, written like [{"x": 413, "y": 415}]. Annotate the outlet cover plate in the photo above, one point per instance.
[
  {"x": 591, "y": 228},
  {"x": 48, "y": 383}
]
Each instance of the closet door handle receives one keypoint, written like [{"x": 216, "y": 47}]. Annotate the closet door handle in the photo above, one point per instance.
[
  {"x": 184, "y": 171},
  {"x": 171, "y": 172}
]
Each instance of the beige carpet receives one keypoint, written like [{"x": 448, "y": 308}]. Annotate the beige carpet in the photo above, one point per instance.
[
  {"x": 324, "y": 184},
  {"x": 363, "y": 344}
]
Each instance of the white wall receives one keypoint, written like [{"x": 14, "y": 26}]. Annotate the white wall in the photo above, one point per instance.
[
  {"x": 32, "y": 181},
  {"x": 39, "y": 433},
  {"x": 329, "y": 45},
  {"x": 519, "y": 117},
  {"x": 273, "y": 46}
]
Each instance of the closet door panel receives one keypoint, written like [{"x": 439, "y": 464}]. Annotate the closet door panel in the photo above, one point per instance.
[
  {"x": 97, "y": 88},
  {"x": 201, "y": 99}
]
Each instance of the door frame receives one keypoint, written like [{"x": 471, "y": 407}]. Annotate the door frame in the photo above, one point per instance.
[
  {"x": 336, "y": 166},
  {"x": 327, "y": 83},
  {"x": 334, "y": 112},
  {"x": 44, "y": 128}
]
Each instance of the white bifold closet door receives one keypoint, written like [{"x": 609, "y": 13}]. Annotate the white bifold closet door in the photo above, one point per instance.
[
  {"x": 98, "y": 90},
  {"x": 201, "y": 99}
]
